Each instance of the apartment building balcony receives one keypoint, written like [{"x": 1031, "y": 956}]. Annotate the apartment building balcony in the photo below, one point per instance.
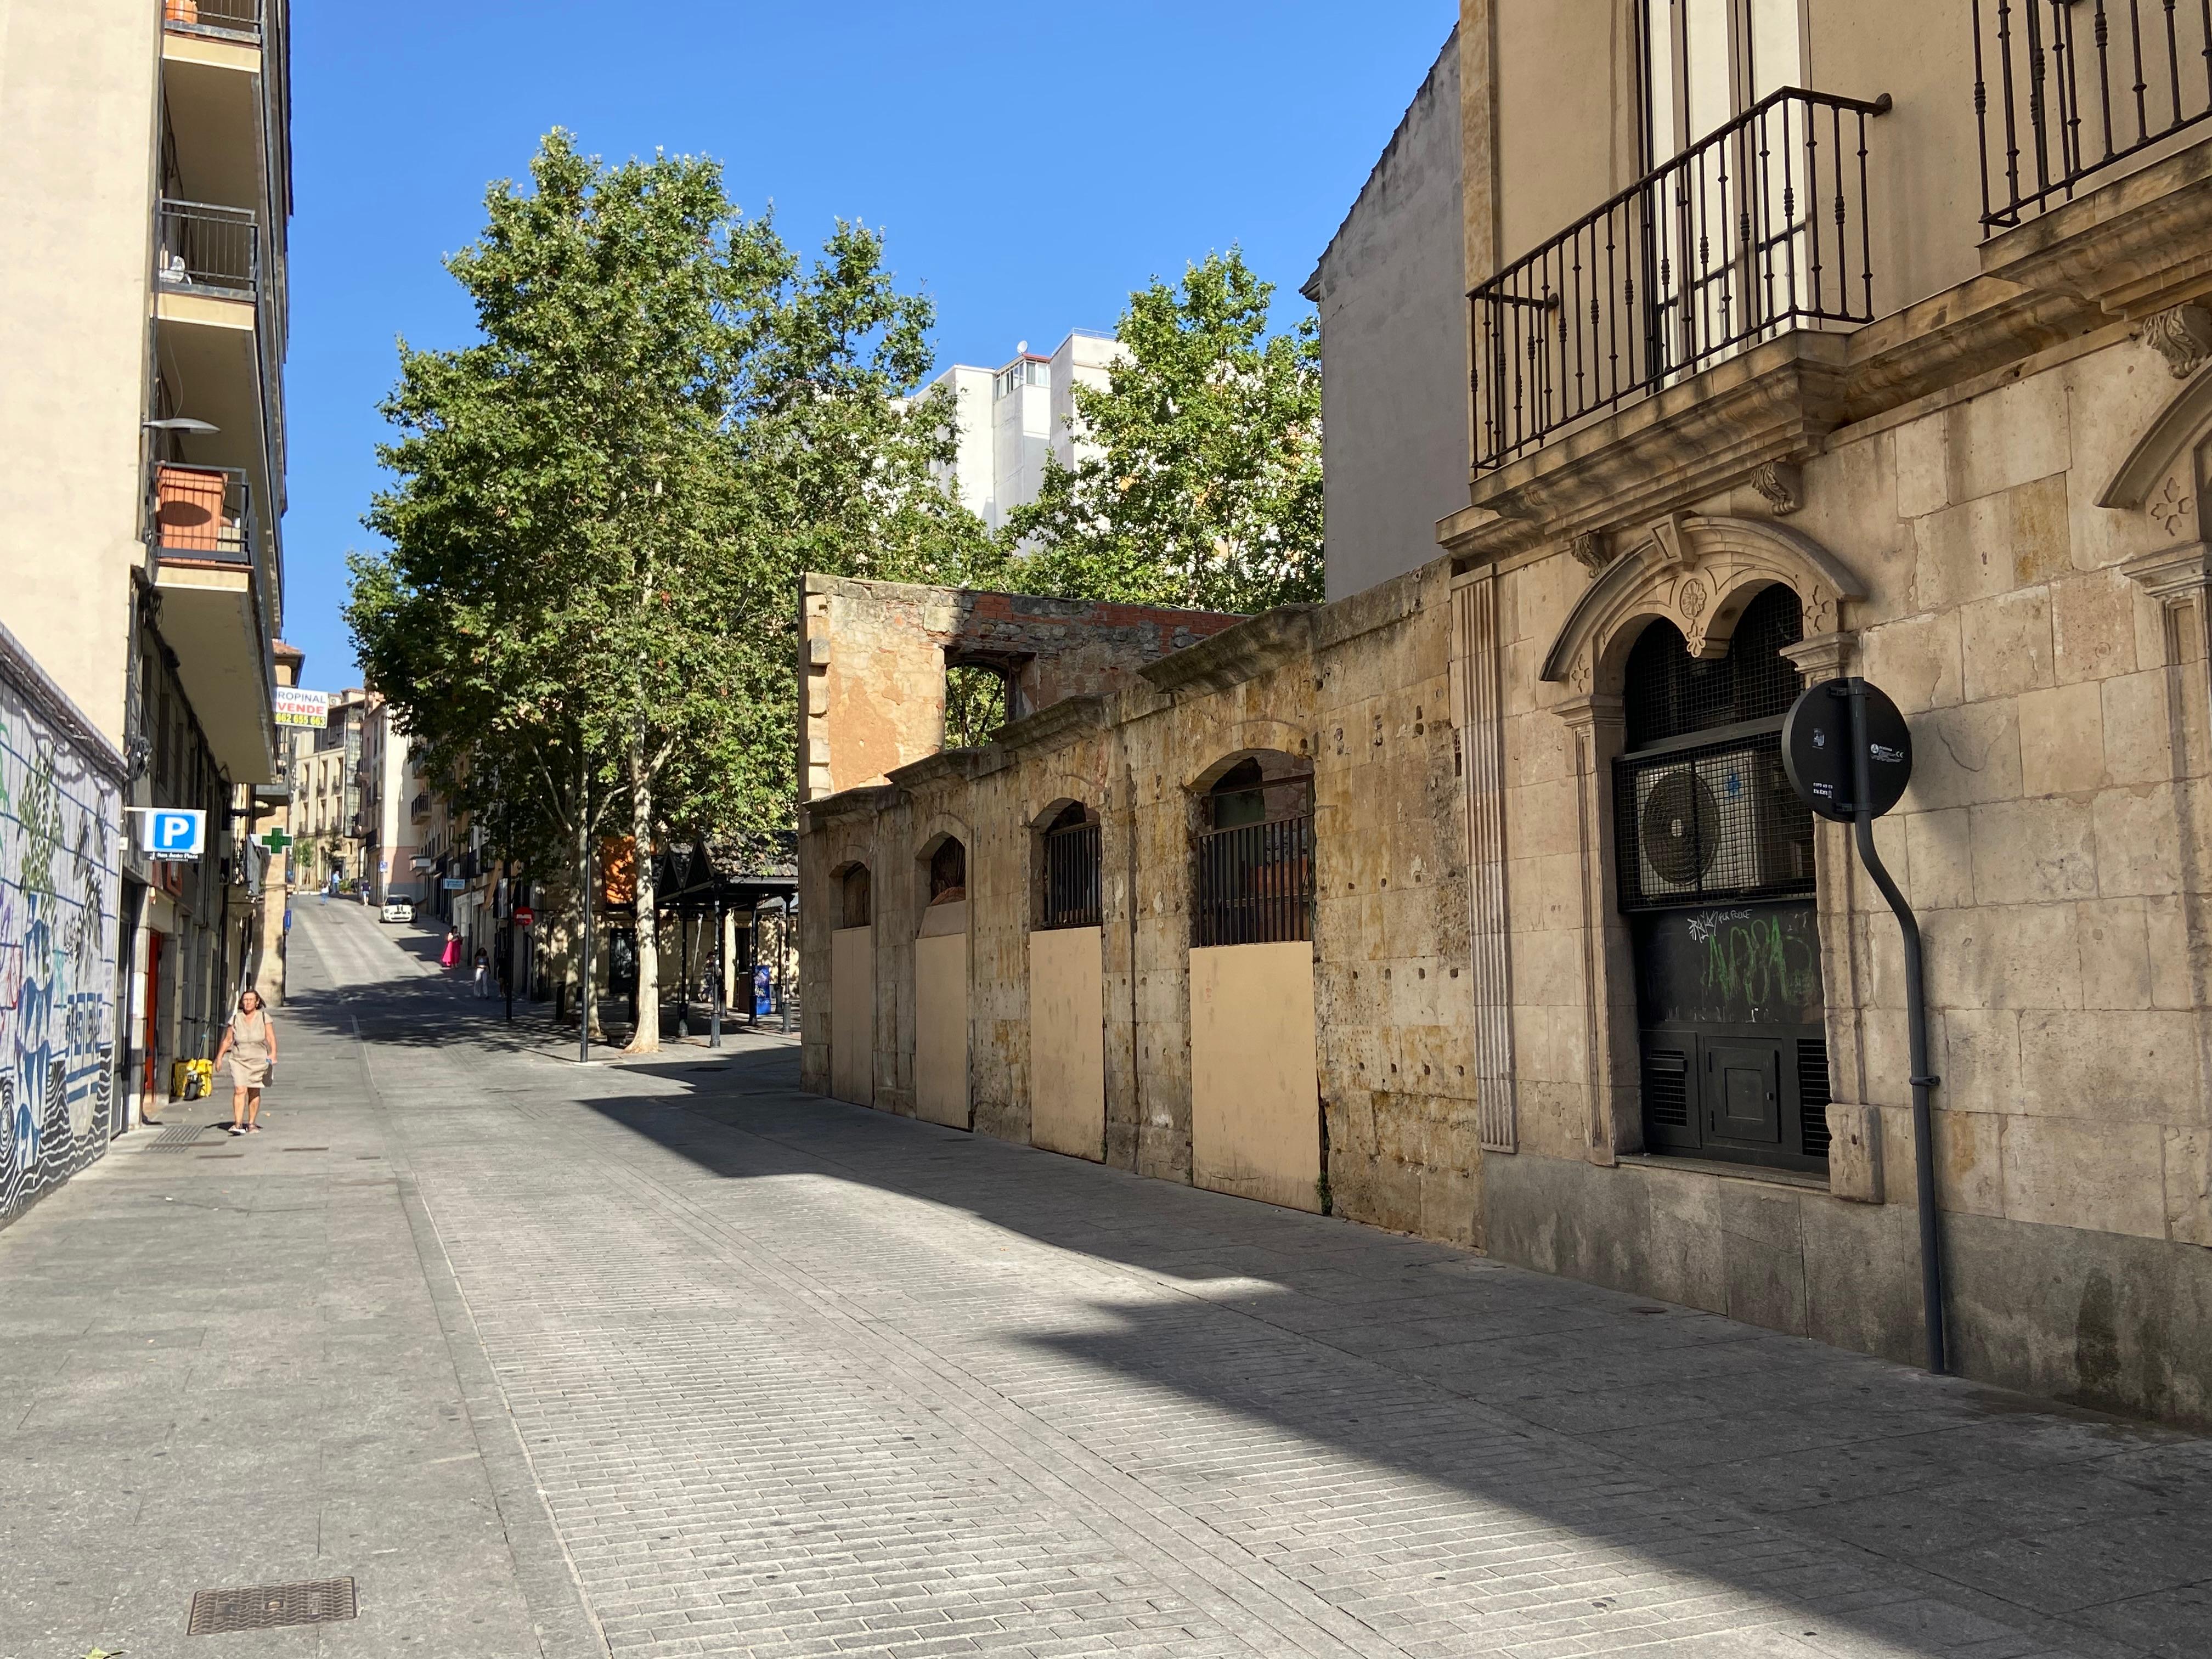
[
  {"x": 1683, "y": 334},
  {"x": 2095, "y": 131},
  {"x": 212, "y": 65},
  {"x": 418, "y": 810},
  {"x": 215, "y": 610}
]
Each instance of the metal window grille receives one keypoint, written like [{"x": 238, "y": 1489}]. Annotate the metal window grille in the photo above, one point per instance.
[
  {"x": 854, "y": 894},
  {"x": 1071, "y": 876},
  {"x": 2065, "y": 88},
  {"x": 1716, "y": 821},
  {"x": 948, "y": 869},
  {"x": 1756, "y": 229},
  {"x": 1255, "y": 883},
  {"x": 1670, "y": 694}
]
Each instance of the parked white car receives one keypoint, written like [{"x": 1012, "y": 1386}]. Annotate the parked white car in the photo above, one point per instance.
[{"x": 399, "y": 910}]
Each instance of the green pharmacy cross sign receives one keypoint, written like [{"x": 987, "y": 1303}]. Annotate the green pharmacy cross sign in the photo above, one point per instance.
[{"x": 277, "y": 841}]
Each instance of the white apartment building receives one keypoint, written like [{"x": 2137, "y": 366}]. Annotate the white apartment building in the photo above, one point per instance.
[{"x": 1007, "y": 420}]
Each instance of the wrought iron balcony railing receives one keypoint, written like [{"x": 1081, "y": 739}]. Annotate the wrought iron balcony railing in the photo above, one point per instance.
[
  {"x": 234, "y": 20},
  {"x": 204, "y": 513},
  {"x": 1758, "y": 229},
  {"x": 2066, "y": 89},
  {"x": 218, "y": 250}
]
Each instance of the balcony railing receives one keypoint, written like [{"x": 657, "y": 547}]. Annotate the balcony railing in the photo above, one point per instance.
[
  {"x": 2066, "y": 89},
  {"x": 420, "y": 806},
  {"x": 1255, "y": 884},
  {"x": 233, "y": 20},
  {"x": 212, "y": 249},
  {"x": 1756, "y": 229},
  {"x": 204, "y": 513}
]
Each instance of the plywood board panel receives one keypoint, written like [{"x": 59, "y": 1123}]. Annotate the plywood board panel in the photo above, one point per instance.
[
  {"x": 1254, "y": 1088},
  {"x": 853, "y": 1014},
  {"x": 940, "y": 1037},
  {"x": 1067, "y": 1043}
]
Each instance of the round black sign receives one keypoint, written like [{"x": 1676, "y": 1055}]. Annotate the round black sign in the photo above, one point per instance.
[{"x": 1816, "y": 750}]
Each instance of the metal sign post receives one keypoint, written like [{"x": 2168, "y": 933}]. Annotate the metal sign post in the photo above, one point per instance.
[{"x": 1849, "y": 755}]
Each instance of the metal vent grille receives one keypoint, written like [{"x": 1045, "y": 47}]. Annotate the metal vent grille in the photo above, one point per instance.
[
  {"x": 176, "y": 1136},
  {"x": 1718, "y": 821},
  {"x": 1667, "y": 1088},
  {"x": 1668, "y": 693},
  {"x": 266, "y": 1607},
  {"x": 1813, "y": 1095}
]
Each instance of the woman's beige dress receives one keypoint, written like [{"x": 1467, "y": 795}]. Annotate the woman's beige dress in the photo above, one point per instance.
[{"x": 249, "y": 1049}]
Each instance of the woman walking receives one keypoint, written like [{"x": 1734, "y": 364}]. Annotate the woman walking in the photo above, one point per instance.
[
  {"x": 452, "y": 954},
  {"x": 249, "y": 1043},
  {"x": 484, "y": 975}
]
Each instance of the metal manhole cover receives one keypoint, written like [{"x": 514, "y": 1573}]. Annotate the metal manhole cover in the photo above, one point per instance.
[
  {"x": 265, "y": 1607},
  {"x": 175, "y": 1137}
]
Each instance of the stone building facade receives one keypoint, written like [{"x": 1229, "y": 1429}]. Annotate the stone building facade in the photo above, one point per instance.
[{"x": 1583, "y": 986}]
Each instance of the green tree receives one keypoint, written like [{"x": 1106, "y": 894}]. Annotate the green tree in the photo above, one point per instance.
[
  {"x": 1203, "y": 488},
  {"x": 601, "y": 507}
]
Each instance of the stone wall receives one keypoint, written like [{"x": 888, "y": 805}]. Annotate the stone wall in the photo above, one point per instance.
[
  {"x": 2048, "y": 654},
  {"x": 1362, "y": 691}
]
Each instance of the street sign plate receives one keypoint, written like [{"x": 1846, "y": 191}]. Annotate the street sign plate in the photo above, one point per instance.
[
  {"x": 167, "y": 832},
  {"x": 453, "y": 883},
  {"x": 1816, "y": 750}
]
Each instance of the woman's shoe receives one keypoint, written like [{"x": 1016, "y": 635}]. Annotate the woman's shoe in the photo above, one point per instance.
[{"x": 149, "y": 1122}]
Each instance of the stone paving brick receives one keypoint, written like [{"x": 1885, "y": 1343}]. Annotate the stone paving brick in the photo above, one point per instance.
[{"x": 793, "y": 1379}]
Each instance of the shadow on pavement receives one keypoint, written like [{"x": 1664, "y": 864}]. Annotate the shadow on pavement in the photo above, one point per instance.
[{"x": 1994, "y": 1513}]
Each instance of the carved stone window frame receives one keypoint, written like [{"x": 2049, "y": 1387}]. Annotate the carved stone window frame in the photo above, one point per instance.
[{"x": 1699, "y": 572}]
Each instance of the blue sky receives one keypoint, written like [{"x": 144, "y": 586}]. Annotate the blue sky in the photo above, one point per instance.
[{"x": 1030, "y": 163}]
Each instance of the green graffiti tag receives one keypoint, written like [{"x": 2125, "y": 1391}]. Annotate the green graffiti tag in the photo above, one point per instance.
[{"x": 1755, "y": 961}]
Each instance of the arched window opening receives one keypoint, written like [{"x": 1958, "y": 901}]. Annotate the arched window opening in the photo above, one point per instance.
[
  {"x": 948, "y": 873},
  {"x": 1069, "y": 849},
  {"x": 1670, "y": 693},
  {"x": 1253, "y": 879},
  {"x": 855, "y": 897},
  {"x": 1714, "y": 852},
  {"x": 978, "y": 701}
]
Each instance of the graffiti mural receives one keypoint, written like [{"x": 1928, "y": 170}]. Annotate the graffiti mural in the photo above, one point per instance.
[{"x": 60, "y": 824}]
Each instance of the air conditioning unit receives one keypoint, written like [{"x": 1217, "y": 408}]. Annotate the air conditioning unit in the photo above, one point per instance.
[{"x": 1717, "y": 824}]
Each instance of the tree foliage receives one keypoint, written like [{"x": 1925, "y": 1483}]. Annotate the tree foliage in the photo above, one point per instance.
[
  {"x": 1202, "y": 486},
  {"x": 600, "y": 506}
]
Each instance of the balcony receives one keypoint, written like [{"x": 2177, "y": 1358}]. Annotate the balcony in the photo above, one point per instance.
[
  {"x": 204, "y": 513},
  {"x": 207, "y": 249},
  {"x": 2069, "y": 92},
  {"x": 418, "y": 810},
  {"x": 217, "y": 19},
  {"x": 214, "y": 610},
  {"x": 1757, "y": 231}
]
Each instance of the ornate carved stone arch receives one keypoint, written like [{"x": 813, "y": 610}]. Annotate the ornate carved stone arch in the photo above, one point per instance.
[
  {"x": 2159, "y": 476},
  {"x": 1698, "y": 571}
]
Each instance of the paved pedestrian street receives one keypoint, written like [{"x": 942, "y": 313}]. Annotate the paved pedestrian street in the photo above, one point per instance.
[{"x": 667, "y": 1359}]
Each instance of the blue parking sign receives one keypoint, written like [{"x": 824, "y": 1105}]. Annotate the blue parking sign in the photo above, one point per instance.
[{"x": 172, "y": 832}]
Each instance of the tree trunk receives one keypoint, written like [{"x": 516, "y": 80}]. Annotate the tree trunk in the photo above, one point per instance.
[{"x": 646, "y": 1039}]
